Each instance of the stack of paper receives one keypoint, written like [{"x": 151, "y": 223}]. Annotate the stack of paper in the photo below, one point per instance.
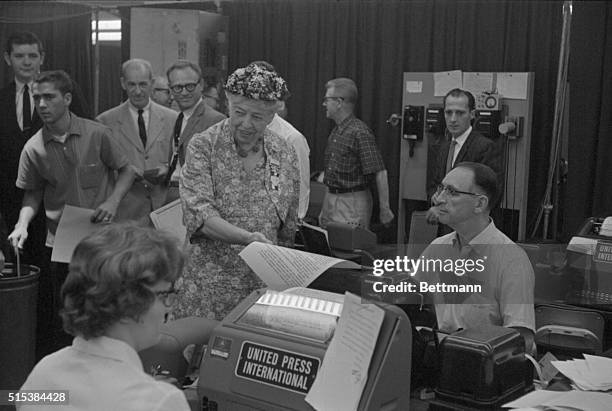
[
  {"x": 562, "y": 400},
  {"x": 344, "y": 372},
  {"x": 606, "y": 227},
  {"x": 591, "y": 374}
]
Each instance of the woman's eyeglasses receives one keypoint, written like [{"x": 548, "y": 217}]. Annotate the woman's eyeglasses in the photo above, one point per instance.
[
  {"x": 178, "y": 88},
  {"x": 167, "y": 297},
  {"x": 453, "y": 192}
]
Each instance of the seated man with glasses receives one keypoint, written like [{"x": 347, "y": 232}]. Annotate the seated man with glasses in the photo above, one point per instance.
[
  {"x": 476, "y": 253},
  {"x": 116, "y": 296}
]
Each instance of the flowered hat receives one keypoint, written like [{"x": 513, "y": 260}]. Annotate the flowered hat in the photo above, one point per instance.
[{"x": 258, "y": 83}]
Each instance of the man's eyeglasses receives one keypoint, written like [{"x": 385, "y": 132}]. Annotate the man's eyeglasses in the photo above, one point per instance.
[
  {"x": 167, "y": 297},
  {"x": 453, "y": 192},
  {"x": 178, "y": 88},
  {"x": 326, "y": 99}
]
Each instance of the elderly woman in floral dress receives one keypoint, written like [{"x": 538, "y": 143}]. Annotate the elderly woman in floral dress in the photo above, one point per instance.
[{"x": 239, "y": 184}]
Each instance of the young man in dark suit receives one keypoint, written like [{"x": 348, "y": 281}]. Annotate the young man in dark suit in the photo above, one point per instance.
[
  {"x": 24, "y": 54},
  {"x": 464, "y": 144}
]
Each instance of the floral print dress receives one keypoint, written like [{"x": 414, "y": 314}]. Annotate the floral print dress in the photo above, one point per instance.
[{"x": 214, "y": 183}]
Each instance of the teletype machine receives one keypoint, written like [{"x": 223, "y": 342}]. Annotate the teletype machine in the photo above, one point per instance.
[{"x": 267, "y": 356}]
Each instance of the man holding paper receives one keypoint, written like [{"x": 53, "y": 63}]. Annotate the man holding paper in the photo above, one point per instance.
[
  {"x": 71, "y": 160},
  {"x": 143, "y": 130}
]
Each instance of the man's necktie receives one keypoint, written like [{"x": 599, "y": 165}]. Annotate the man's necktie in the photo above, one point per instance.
[
  {"x": 451, "y": 154},
  {"x": 177, "y": 134},
  {"x": 142, "y": 131},
  {"x": 26, "y": 109}
]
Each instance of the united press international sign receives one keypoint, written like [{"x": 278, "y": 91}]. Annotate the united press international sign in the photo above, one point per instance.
[{"x": 277, "y": 367}]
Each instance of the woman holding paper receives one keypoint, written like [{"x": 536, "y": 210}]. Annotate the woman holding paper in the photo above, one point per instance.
[{"x": 240, "y": 184}]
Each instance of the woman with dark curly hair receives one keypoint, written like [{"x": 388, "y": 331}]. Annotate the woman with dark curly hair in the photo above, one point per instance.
[
  {"x": 239, "y": 184},
  {"x": 118, "y": 291}
]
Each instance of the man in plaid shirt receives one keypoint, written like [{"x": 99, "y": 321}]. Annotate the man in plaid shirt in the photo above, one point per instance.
[{"x": 352, "y": 161}]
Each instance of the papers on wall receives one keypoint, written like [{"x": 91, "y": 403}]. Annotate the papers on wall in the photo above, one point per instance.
[
  {"x": 445, "y": 81},
  {"x": 169, "y": 218},
  {"x": 281, "y": 268},
  {"x": 594, "y": 373},
  {"x": 509, "y": 85},
  {"x": 74, "y": 225},
  {"x": 512, "y": 85},
  {"x": 562, "y": 400},
  {"x": 344, "y": 372},
  {"x": 477, "y": 83},
  {"x": 414, "y": 87}
]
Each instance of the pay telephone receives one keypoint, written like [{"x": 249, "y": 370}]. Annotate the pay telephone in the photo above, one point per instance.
[
  {"x": 487, "y": 123},
  {"x": 412, "y": 126},
  {"x": 434, "y": 119}
]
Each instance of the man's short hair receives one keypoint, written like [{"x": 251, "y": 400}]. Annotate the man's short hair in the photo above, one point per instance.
[
  {"x": 182, "y": 64},
  {"x": 111, "y": 273},
  {"x": 485, "y": 178},
  {"x": 59, "y": 78},
  {"x": 23, "y": 37},
  {"x": 457, "y": 92},
  {"x": 346, "y": 87},
  {"x": 137, "y": 62}
]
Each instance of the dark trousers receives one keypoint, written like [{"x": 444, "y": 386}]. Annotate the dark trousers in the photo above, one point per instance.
[{"x": 50, "y": 335}]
